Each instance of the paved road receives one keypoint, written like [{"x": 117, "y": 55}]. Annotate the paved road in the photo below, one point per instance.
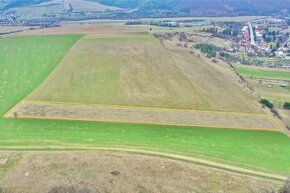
[{"x": 252, "y": 34}]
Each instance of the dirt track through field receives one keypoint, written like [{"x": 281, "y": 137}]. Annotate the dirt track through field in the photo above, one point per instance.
[{"x": 145, "y": 115}]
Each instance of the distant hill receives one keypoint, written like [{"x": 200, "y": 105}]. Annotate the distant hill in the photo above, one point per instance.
[
  {"x": 173, "y": 8},
  {"x": 8, "y": 4},
  {"x": 206, "y": 7}
]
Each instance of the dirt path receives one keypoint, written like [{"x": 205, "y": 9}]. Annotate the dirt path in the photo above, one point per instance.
[{"x": 204, "y": 162}]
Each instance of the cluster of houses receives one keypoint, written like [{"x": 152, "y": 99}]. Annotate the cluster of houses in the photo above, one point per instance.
[
  {"x": 263, "y": 42},
  {"x": 258, "y": 44},
  {"x": 283, "y": 51},
  {"x": 8, "y": 17}
]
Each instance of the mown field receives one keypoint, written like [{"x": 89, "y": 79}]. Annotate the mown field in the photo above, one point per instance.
[
  {"x": 136, "y": 70},
  {"x": 119, "y": 70},
  {"x": 26, "y": 61}
]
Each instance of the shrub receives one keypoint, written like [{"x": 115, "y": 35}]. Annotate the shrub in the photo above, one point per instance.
[
  {"x": 267, "y": 103},
  {"x": 286, "y": 105}
]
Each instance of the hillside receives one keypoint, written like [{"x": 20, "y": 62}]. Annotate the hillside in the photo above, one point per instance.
[
  {"x": 153, "y": 8},
  {"x": 204, "y": 7}
]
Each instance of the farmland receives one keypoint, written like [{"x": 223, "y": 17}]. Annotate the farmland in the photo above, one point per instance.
[
  {"x": 260, "y": 150},
  {"x": 131, "y": 78},
  {"x": 135, "y": 78}
]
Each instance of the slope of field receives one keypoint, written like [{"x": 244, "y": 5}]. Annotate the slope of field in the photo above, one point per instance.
[
  {"x": 264, "y": 73},
  {"x": 266, "y": 151}
]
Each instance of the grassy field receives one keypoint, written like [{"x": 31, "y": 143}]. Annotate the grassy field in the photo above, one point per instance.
[
  {"x": 26, "y": 62},
  {"x": 136, "y": 70},
  {"x": 264, "y": 73},
  {"x": 122, "y": 70}
]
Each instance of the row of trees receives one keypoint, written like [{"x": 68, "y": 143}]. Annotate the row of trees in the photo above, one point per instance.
[{"x": 270, "y": 105}]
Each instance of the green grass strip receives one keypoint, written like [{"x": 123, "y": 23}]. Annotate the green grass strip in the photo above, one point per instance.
[{"x": 264, "y": 73}]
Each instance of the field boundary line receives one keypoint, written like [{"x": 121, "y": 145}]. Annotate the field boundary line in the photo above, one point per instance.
[
  {"x": 277, "y": 123},
  {"x": 46, "y": 78},
  {"x": 82, "y": 36},
  {"x": 199, "y": 161},
  {"x": 142, "y": 123},
  {"x": 144, "y": 107}
]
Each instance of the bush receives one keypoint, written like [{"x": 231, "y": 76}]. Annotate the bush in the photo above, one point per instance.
[
  {"x": 267, "y": 103},
  {"x": 286, "y": 105},
  {"x": 209, "y": 50}
]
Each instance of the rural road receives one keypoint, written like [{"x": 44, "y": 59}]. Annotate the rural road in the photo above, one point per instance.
[{"x": 252, "y": 34}]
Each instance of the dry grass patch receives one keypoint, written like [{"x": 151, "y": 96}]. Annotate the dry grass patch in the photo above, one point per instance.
[
  {"x": 100, "y": 172},
  {"x": 48, "y": 110}
]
